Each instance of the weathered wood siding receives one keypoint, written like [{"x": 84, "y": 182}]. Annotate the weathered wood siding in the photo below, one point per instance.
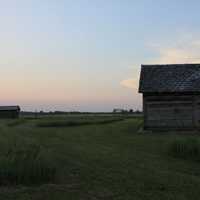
[
  {"x": 6, "y": 114},
  {"x": 171, "y": 111}
]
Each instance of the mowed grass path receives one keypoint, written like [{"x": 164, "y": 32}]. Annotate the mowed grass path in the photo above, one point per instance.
[{"x": 104, "y": 161}]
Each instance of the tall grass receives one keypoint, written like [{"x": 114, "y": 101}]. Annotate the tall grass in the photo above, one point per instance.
[
  {"x": 74, "y": 122},
  {"x": 25, "y": 165},
  {"x": 187, "y": 148}
]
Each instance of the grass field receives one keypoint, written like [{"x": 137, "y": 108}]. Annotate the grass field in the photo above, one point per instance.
[{"x": 101, "y": 160}]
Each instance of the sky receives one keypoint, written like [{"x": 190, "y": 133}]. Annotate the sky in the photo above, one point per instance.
[{"x": 85, "y": 55}]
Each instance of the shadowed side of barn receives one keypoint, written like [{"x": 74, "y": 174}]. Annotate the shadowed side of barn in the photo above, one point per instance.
[{"x": 9, "y": 112}]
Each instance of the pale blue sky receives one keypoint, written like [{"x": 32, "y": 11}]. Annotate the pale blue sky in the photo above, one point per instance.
[{"x": 86, "y": 54}]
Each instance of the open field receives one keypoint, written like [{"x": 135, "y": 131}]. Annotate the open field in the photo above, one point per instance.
[{"x": 105, "y": 158}]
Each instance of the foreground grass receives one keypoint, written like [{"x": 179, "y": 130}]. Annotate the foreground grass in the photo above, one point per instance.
[
  {"x": 109, "y": 161},
  {"x": 186, "y": 148},
  {"x": 25, "y": 164}
]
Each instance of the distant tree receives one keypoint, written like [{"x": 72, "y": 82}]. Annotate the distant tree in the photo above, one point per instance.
[{"x": 131, "y": 111}]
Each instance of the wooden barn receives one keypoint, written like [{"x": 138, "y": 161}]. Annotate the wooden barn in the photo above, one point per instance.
[
  {"x": 171, "y": 96},
  {"x": 9, "y": 111}
]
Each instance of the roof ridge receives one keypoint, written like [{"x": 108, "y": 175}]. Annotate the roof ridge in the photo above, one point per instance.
[{"x": 178, "y": 64}]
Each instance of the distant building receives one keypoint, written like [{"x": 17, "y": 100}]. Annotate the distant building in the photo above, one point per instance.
[
  {"x": 118, "y": 110},
  {"x": 9, "y": 111},
  {"x": 171, "y": 96}
]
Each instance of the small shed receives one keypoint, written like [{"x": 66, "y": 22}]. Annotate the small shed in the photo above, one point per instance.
[
  {"x": 171, "y": 96},
  {"x": 9, "y": 111}
]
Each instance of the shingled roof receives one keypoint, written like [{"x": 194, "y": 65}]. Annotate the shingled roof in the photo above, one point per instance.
[{"x": 170, "y": 78}]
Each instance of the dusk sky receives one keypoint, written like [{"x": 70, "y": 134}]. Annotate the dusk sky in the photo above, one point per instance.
[{"x": 86, "y": 54}]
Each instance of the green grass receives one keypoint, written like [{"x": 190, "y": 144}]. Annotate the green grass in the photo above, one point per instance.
[
  {"x": 16, "y": 122},
  {"x": 25, "y": 164},
  {"x": 77, "y": 121},
  {"x": 104, "y": 162},
  {"x": 186, "y": 148}
]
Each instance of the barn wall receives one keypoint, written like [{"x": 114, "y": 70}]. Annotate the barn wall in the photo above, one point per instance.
[
  {"x": 171, "y": 111},
  {"x": 9, "y": 114},
  {"x": 196, "y": 110}
]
